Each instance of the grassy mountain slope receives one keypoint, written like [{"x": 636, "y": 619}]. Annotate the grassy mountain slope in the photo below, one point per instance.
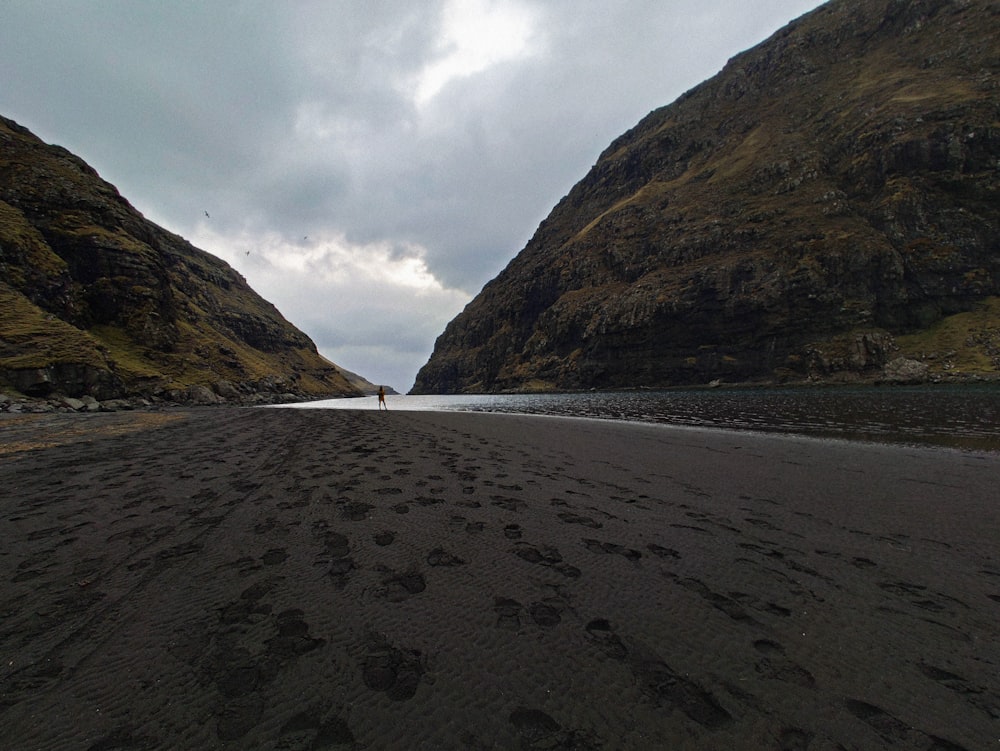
[
  {"x": 829, "y": 195},
  {"x": 95, "y": 299}
]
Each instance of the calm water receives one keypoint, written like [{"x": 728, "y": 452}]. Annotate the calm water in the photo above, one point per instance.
[{"x": 965, "y": 416}]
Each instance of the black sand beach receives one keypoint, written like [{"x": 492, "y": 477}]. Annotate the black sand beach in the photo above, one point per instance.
[{"x": 309, "y": 579}]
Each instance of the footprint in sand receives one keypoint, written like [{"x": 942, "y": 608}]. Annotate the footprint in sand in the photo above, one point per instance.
[
  {"x": 307, "y": 730},
  {"x": 508, "y": 504},
  {"x": 424, "y": 500},
  {"x": 269, "y": 524},
  {"x": 508, "y": 613},
  {"x": 237, "y": 717},
  {"x": 596, "y": 546},
  {"x": 274, "y": 556},
  {"x": 728, "y": 605},
  {"x": 794, "y": 739},
  {"x": 384, "y": 538},
  {"x": 441, "y": 557},
  {"x": 660, "y": 682},
  {"x": 547, "y": 556},
  {"x": 883, "y": 723},
  {"x": 571, "y": 518},
  {"x": 399, "y": 586},
  {"x": 894, "y": 730},
  {"x": 392, "y": 670},
  {"x": 354, "y": 511},
  {"x": 538, "y": 730},
  {"x": 600, "y": 633},
  {"x": 293, "y": 637},
  {"x": 336, "y": 554},
  {"x": 776, "y": 667},
  {"x": 917, "y": 594},
  {"x": 976, "y": 695},
  {"x": 657, "y": 679},
  {"x": 662, "y": 552},
  {"x": 239, "y": 673},
  {"x": 124, "y": 739},
  {"x": 544, "y": 614},
  {"x": 700, "y": 530},
  {"x": 533, "y": 725}
]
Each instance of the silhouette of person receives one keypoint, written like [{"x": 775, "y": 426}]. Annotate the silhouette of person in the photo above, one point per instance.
[{"x": 381, "y": 398}]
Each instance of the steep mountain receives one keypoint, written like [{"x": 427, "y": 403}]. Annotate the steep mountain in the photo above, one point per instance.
[
  {"x": 365, "y": 386},
  {"x": 827, "y": 204},
  {"x": 97, "y": 301}
]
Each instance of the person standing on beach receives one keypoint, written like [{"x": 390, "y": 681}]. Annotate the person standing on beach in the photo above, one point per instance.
[{"x": 381, "y": 398}]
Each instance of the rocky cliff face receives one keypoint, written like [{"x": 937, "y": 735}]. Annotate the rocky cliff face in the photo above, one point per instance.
[
  {"x": 830, "y": 190},
  {"x": 95, "y": 300}
]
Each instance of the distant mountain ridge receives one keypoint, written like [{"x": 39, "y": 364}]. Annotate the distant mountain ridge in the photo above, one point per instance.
[
  {"x": 825, "y": 208},
  {"x": 97, "y": 301}
]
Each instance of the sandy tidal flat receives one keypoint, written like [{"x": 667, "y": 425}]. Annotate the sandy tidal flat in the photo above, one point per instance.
[{"x": 309, "y": 579}]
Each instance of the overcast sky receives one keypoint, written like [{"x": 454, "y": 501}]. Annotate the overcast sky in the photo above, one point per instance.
[{"x": 367, "y": 165}]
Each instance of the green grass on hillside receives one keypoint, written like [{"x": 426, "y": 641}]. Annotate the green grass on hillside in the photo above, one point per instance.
[
  {"x": 32, "y": 338},
  {"x": 964, "y": 343}
]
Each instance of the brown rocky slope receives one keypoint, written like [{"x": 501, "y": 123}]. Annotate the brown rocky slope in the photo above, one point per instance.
[
  {"x": 97, "y": 301},
  {"x": 827, "y": 204}
]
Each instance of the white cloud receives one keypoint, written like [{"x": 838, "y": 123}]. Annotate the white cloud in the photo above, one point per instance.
[
  {"x": 373, "y": 309},
  {"x": 476, "y": 35}
]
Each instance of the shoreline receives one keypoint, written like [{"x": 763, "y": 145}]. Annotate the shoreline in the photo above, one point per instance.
[
  {"x": 309, "y": 578},
  {"x": 960, "y": 420}
]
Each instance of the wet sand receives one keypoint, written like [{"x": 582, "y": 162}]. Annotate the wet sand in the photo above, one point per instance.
[{"x": 310, "y": 579}]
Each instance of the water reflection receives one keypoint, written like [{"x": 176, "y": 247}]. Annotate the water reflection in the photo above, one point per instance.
[{"x": 965, "y": 416}]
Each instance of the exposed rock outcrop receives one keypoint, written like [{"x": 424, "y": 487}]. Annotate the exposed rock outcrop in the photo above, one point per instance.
[
  {"x": 96, "y": 300},
  {"x": 831, "y": 189},
  {"x": 903, "y": 370}
]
